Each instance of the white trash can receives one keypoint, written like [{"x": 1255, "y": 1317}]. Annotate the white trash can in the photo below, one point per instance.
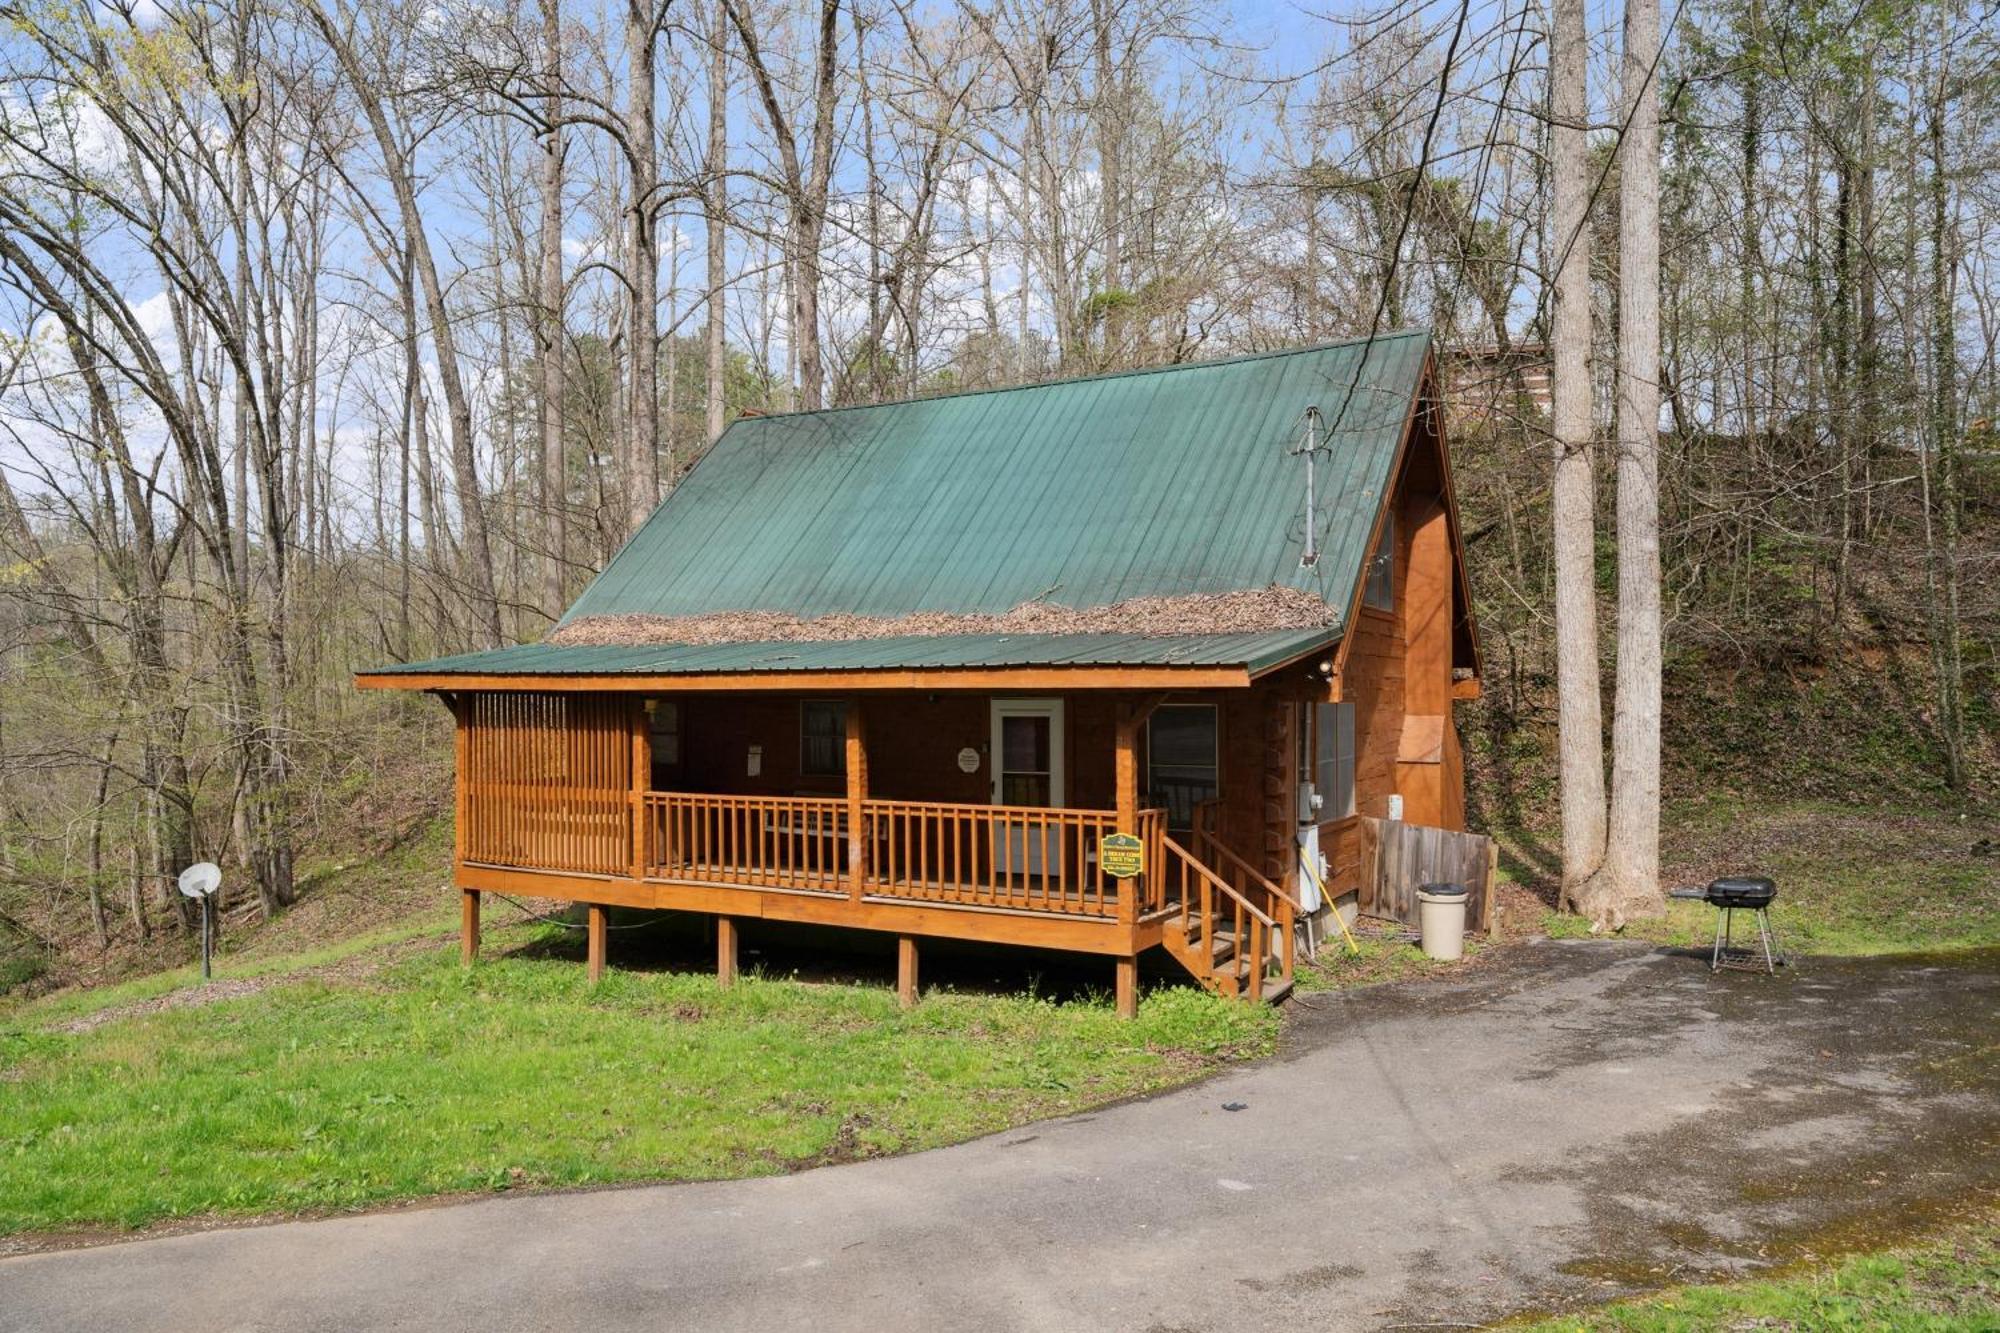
[{"x": 1441, "y": 920}]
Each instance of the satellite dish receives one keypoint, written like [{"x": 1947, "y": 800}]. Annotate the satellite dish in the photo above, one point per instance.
[{"x": 201, "y": 879}]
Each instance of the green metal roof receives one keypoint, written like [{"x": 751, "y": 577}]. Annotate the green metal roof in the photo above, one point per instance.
[
  {"x": 1253, "y": 652},
  {"x": 1082, "y": 492}
]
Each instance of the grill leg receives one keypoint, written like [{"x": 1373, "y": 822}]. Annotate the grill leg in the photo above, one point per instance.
[
  {"x": 1715, "y": 959},
  {"x": 1764, "y": 934}
]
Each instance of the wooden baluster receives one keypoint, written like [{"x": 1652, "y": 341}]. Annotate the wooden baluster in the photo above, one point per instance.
[
  {"x": 948, "y": 851},
  {"x": 924, "y": 868}
]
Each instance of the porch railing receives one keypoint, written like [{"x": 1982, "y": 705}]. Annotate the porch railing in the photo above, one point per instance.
[
  {"x": 987, "y": 856},
  {"x": 779, "y": 842}
]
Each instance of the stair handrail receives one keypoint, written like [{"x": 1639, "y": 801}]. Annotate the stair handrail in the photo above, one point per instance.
[
  {"x": 1216, "y": 880},
  {"x": 1253, "y": 926},
  {"x": 1263, "y": 881},
  {"x": 1288, "y": 906}
]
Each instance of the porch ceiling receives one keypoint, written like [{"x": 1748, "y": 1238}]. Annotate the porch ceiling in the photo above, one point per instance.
[{"x": 1217, "y": 659}]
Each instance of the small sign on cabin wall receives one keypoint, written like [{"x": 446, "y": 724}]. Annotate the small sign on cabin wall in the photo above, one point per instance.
[
  {"x": 968, "y": 760},
  {"x": 1121, "y": 855}
]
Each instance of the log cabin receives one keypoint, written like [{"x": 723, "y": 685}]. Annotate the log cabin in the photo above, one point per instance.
[{"x": 1140, "y": 661}]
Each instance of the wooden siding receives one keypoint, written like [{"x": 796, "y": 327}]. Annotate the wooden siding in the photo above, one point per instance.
[
  {"x": 1396, "y": 666},
  {"x": 913, "y": 745}
]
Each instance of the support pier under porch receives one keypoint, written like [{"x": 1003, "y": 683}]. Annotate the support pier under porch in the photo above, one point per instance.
[{"x": 908, "y": 922}]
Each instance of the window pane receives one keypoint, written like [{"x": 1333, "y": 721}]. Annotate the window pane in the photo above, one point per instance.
[
  {"x": 822, "y": 737},
  {"x": 1335, "y": 775},
  {"x": 1024, "y": 789},
  {"x": 1024, "y": 744},
  {"x": 1181, "y": 761},
  {"x": 664, "y": 724},
  {"x": 1381, "y": 589},
  {"x": 1183, "y": 734}
]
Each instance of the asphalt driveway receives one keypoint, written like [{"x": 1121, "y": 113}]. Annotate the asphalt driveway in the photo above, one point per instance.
[{"x": 1577, "y": 1120}]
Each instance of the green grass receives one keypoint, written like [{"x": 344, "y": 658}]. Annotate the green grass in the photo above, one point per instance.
[
  {"x": 422, "y": 1078},
  {"x": 78, "y": 1001},
  {"x": 1850, "y": 881},
  {"x": 1951, "y": 1284}
]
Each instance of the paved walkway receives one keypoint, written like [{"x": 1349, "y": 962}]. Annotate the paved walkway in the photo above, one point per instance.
[{"x": 1580, "y": 1118}]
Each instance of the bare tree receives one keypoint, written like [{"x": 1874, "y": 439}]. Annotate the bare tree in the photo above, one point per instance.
[
  {"x": 1627, "y": 885},
  {"x": 396, "y": 167},
  {"x": 1580, "y": 724},
  {"x": 803, "y": 181},
  {"x": 550, "y": 341},
  {"x": 716, "y": 200}
]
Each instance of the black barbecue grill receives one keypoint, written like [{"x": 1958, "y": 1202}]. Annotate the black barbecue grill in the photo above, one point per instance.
[{"x": 1740, "y": 893}]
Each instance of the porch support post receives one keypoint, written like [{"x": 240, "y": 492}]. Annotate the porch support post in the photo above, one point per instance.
[
  {"x": 725, "y": 950},
  {"x": 596, "y": 942},
  {"x": 857, "y": 797},
  {"x": 1129, "y": 718},
  {"x": 1127, "y": 780},
  {"x": 642, "y": 781},
  {"x": 461, "y": 823},
  {"x": 1128, "y": 987},
  {"x": 468, "y": 926},
  {"x": 906, "y": 971}
]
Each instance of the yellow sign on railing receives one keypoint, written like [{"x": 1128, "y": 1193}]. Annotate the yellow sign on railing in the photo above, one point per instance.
[{"x": 1121, "y": 855}]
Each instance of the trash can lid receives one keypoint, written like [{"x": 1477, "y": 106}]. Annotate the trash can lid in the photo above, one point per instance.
[{"x": 1443, "y": 891}]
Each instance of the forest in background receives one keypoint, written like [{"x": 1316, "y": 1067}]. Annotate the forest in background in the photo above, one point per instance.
[{"x": 318, "y": 323}]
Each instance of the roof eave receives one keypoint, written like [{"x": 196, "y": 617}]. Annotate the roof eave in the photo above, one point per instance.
[{"x": 860, "y": 680}]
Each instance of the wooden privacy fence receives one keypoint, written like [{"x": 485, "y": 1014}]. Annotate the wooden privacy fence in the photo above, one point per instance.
[
  {"x": 1396, "y": 859},
  {"x": 545, "y": 780}
]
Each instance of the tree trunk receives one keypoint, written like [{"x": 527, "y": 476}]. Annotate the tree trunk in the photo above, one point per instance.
[
  {"x": 1627, "y": 885},
  {"x": 642, "y": 418},
  {"x": 805, "y": 185},
  {"x": 1108, "y": 112},
  {"x": 717, "y": 202},
  {"x": 95, "y": 880},
  {"x": 1580, "y": 718},
  {"x": 1941, "y": 545},
  {"x": 549, "y": 340}
]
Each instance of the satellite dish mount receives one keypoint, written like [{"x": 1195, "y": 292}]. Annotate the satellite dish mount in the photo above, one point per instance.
[{"x": 199, "y": 882}]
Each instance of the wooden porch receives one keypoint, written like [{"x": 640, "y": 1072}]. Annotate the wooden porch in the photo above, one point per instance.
[
  {"x": 1018, "y": 875},
  {"x": 559, "y": 797},
  {"x": 555, "y": 800}
]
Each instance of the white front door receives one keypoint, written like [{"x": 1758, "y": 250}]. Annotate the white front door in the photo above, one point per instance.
[{"x": 1027, "y": 770}]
